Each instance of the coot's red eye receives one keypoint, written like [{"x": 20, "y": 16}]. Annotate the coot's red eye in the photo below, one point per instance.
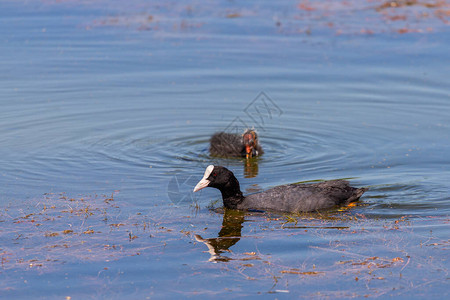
[{"x": 214, "y": 174}]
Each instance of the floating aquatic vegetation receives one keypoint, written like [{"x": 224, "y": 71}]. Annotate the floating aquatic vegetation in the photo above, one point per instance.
[
  {"x": 390, "y": 252},
  {"x": 304, "y": 17},
  {"x": 59, "y": 229}
]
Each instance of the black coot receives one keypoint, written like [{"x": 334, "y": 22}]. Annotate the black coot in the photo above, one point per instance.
[
  {"x": 287, "y": 198},
  {"x": 233, "y": 145}
]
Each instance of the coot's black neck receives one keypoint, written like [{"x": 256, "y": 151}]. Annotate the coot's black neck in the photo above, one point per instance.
[{"x": 231, "y": 193}]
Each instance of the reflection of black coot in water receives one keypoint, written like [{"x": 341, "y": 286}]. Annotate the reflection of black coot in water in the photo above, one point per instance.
[
  {"x": 225, "y": 144},
  {"x": 227, "y": 237}
]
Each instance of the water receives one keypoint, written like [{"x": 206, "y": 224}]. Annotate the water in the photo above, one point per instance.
[{"x": 107, "y": 109}]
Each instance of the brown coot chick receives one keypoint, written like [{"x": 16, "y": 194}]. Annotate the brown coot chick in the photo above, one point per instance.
[
  {"x": 233, "y": 145},
  {"x": 286, "y": 198}
]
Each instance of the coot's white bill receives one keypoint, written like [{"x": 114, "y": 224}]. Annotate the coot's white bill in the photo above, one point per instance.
[{"x": 204, "y": 182}]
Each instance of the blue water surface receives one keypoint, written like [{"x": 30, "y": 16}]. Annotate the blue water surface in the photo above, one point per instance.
[{"x": 106, "y": 112}]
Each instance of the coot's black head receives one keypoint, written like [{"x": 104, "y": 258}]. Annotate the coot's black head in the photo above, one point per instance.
[
  {"x": 223, "y": 179},
  {"x": 216, "y": 177},
  {"x": 250, "y": 141},
  {"x": 220, "y": 178}
]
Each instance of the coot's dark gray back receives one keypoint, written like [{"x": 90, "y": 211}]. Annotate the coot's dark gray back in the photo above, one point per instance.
[{"x": 304, "y": 197}]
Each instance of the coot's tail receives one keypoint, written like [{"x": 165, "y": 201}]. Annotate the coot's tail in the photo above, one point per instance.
[{"x": 357, "y": 193}]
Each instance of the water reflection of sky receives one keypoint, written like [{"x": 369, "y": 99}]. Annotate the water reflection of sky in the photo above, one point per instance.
[{"x": 104, "y": 100}]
